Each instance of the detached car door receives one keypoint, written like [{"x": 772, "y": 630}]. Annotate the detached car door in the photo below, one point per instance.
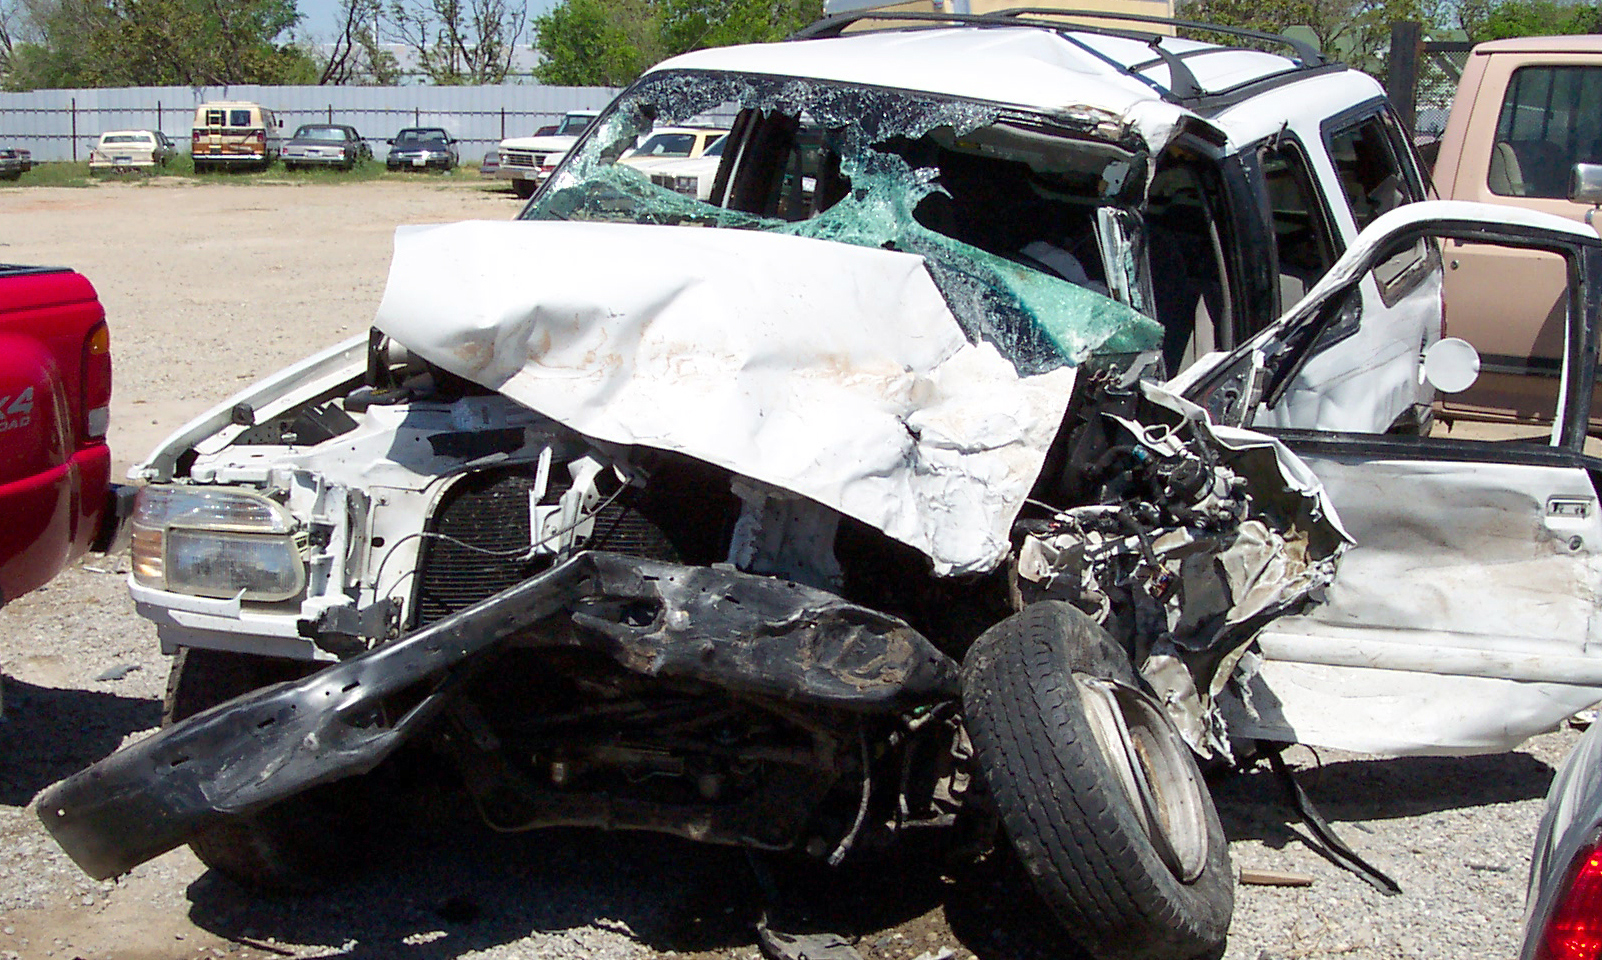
[{"x": 1464, "y": 619}]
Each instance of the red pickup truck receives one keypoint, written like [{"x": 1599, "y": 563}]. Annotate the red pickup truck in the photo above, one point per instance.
[{"x": 56, "y": 499}]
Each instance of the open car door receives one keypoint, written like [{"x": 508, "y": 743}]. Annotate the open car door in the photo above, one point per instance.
[{"x": 1465, "y": 618}]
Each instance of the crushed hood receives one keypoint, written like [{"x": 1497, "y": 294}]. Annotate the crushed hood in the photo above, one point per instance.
[{"x": 833, "y": 371}]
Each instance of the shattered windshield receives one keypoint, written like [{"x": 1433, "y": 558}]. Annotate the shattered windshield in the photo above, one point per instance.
[{"x": 1002, "y": 205}]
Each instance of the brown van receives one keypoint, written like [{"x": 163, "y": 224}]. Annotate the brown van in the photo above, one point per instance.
[{"x": 234, "y": 134}]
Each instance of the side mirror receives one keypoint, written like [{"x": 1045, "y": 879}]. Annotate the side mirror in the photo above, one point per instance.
[
  {"x": 390, "y": 141},
  {"x": 1451, "y": 365},
  {"x": 1585, "y": 183}
]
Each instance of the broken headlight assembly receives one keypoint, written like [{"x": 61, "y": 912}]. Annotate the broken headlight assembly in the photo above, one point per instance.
[{"x": 216, "y": 543}]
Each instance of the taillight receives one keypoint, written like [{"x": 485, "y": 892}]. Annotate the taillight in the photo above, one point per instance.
[
  {"x": 261, "y": 136},
  {"x": 96, "y": 382},
  {"x": 196, "y": 136},
  {"x": 1574, "y": 931}
]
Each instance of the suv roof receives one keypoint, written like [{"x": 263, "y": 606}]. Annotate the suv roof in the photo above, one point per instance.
[{"x": 1031, "y": 62}]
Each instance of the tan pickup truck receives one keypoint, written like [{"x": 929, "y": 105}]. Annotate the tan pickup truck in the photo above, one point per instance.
[{"x": 1525, "y": 114}]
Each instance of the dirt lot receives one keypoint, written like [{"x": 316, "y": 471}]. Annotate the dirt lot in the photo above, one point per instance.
[{"x": 208, "y": 287}]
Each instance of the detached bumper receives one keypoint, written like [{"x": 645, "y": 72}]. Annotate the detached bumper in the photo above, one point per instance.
[{"x": 754, "y": 636}]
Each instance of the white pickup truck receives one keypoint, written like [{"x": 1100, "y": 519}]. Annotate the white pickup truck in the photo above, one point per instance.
[{"x": 527, "y": 161}]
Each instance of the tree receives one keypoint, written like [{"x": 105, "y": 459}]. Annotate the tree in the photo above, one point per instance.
[
  {"x": 609, "y": 42},
  {"x": 1486, "y": 20},
  {"x": 582, "y": 43},
  {"x": 356, "y": 56},
  {"x": 1355, "y": 31},
  {"x": 461, "y": 41},
  {"x": 112, "y": 43},
  {"x": 9, "y": 19}
]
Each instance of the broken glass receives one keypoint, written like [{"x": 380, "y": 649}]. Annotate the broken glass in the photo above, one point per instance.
[{"x": 1036, "y": 320}]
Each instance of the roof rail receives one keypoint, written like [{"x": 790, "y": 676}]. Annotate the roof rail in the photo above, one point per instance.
[
  {"x": 1306, "y": 53},
  {"x": 832, "y": 26}
]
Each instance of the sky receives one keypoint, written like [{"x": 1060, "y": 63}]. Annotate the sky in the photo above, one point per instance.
[{"x": 321, "y": 15}]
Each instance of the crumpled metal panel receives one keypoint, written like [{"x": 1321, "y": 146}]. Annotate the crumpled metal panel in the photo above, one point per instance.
[
  {"x": 833, "y": 371},
  {"x": 754, "y": 636}
]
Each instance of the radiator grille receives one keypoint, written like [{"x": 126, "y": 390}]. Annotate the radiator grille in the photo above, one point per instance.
[{"x": 490, "y": 511}]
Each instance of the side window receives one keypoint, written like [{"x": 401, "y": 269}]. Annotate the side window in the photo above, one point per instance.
[
  {"x": 1187, "y": 249},
  {"x": 783, "y": 163},
  {"x": 1376, "y": 174},
  {"x": 1548, "y": 122},
  {"x": 1372, "y": 176},
  {"x": 1302, "y": 235}
]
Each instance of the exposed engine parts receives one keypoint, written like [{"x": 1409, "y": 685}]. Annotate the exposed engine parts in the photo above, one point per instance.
[{"x": 1187, "y": 545}]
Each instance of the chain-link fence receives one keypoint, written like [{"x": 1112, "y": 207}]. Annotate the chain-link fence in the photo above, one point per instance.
[{"x": 1422, "y": 78}]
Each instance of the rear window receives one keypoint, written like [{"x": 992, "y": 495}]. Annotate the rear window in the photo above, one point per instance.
[
  {"x": 1549, "y": 122},
  {"x": 125, "y": 138},
  {"x": 420, "y": 136},
  {"x": 216, "y": 118},
  {"x": 239, "y": 118},
  {"x": 667, "y": 145},
  {"x": 320, "y": 133}
]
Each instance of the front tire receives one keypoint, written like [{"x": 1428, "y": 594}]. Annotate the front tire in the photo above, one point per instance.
[
  {"x": 1098, "y": 793},
  {"x": 296, "y": 845},
  {"x": 523, "y": 188}
]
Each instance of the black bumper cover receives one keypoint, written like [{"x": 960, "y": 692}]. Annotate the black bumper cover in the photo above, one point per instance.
[{"x": 753, "y": 636}]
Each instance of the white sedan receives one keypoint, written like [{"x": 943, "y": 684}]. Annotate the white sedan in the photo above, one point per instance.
[{"x": 119, "y": 151}]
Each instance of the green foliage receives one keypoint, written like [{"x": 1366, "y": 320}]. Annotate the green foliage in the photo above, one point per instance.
[
  {"x": 1486, "y": 20},
  {"x": 1357, "y": 32},
  {"x": 116, "y": 43},
  {"x": 582, "y": 43},
  {"x": 609, "y": 42}
]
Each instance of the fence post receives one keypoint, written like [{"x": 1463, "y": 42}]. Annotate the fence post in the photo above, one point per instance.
[
  {"x": 417, "y": 116},
  {"x": 74, "y": 129},
  {"x": 158, "y": 116},
  {"x": 330, "y": 113},
  {"x": 503, "y": 121},
  {"x": 1401, "y": 70}
]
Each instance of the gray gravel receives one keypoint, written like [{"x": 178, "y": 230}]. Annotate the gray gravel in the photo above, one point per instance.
[{"x": 82, "y": 674}]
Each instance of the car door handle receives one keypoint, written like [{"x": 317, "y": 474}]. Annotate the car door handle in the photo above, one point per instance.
[{"x": 1569, "y": 508}]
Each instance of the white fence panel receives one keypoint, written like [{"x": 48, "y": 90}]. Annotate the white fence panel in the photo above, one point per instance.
[{"x": 63, "y": 124}]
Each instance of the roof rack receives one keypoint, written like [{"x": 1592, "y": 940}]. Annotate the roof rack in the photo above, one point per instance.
[{"x": 1183, "y": 86}]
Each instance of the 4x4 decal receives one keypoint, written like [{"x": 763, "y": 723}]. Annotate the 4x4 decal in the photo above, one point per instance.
[{"x": 16, "y": 412}]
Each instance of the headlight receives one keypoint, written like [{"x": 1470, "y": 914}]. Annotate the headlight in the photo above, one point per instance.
[{"x": 215, "y": 543}]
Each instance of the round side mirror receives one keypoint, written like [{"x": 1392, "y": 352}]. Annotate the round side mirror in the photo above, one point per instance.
[{"x": 1451, "y": 365}]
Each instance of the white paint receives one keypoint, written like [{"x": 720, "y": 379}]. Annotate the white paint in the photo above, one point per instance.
[
  {"x": 1399, "y": 713},
  {"x": 855, "y": 388},
  {"x": 1026, "y": 67}
]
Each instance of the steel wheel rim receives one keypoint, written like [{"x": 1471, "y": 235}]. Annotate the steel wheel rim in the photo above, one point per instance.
[{"x": 1150, "y": 764}]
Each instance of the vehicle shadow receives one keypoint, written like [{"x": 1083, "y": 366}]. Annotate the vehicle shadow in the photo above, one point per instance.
[
  {"x": 455, "y": 888},
  {"x": 33, "y": 739},
  {"x": 1254, "y": 806}
]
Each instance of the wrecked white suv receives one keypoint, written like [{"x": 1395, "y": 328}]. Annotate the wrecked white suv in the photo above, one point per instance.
[{"x": 844, "y": 501}]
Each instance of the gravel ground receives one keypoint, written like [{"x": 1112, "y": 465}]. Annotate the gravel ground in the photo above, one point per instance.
[{"x": 210, "y": 286}]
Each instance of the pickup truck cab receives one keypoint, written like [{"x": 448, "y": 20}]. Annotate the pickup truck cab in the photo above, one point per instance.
[
  {"x": 55, "y": 395},
  {"x": 527, "y": 161},
  {"x": 1524, "y": 115}
]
